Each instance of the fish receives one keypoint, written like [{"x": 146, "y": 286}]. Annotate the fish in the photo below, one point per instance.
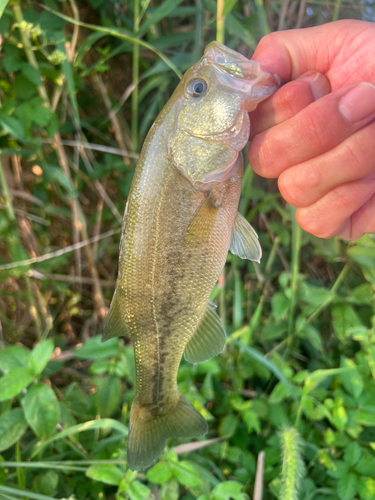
[{"x": 180, "y": 220}]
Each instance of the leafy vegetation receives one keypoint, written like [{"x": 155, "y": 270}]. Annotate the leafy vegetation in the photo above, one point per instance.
[{"x": 291, "y": 401}]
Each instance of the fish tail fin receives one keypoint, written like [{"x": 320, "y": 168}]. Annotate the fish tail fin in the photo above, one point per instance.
[{"x": 149, "y": 430}]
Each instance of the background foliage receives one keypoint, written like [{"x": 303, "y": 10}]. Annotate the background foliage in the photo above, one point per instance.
[{"x": 296, "y": 384}]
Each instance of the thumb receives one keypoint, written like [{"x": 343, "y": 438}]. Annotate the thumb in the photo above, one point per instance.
[{"x": 294, "y": 52}]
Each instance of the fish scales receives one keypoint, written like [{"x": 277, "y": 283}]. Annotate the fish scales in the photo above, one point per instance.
[{"x": 180, "y": 221}]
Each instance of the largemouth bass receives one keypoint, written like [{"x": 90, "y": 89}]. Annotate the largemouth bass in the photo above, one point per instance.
[{"x": 180, "y": 221}]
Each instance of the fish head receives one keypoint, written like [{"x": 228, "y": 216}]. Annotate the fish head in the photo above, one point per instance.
[{"x": 211, "y": 114}]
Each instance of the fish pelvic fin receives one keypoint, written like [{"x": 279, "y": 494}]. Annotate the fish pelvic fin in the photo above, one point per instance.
[
  {"x": 114, "y": 325},
  {"x": 209, "y": 338},
  {"x": 245, "y": 241},
  {"x": 149, "y": 429}
]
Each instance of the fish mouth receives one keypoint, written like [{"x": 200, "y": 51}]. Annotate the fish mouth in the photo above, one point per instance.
[{"x": 242, "y": 75}]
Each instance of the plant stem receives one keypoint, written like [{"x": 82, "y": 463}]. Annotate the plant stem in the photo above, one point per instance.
[
  {"x": 296, "y": 247},
  {"x": 134, "y": 126},
  {"x": 6, "y": 193},
  {"x": 220, "y": 32}
]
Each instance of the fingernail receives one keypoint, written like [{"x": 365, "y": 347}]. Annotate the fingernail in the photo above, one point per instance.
[
  {"x": 358, "y": 103},
  {"x": 319, "y": 83}
]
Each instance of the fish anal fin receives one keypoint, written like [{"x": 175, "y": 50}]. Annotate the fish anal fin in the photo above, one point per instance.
[
  {"x": 208, "y": 340},
  {"x": 149, "y": 429},
  {"x": 244, "y": 242},
  {"x": 114, "y": 325}
]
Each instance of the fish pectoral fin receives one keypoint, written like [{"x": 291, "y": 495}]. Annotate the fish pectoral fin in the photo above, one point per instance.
[
  {"x": 200, "y": 228},
  {"x": 148, "y": 431},
  {"x": 114, "y": 325},
  {"x": 244, "y": 242},
  {"x": 208, "y": 340}
]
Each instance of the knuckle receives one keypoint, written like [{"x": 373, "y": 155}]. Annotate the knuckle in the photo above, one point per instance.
[
  {"x": 262, "y": 156},
  {"x": 315, "y": 130},
  {"x": 299, "y": 185},
  {"x": 291, "y": 99}
]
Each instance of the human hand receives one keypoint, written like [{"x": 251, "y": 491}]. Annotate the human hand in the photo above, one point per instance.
[{"x": 317, "y": 132}]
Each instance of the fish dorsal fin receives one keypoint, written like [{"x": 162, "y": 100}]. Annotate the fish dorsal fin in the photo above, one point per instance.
[
  {"x": 209, "y": 338},
  {"x": 114, "y": 325},
  {"x": 244, "y": 242}
]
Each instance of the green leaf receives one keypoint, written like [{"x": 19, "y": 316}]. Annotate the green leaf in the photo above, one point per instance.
[
  {"x": 229, "y": 490},
  {"x": 14, "y": 357},
  {"x": 159, "y": 473},
  {"x": 94, "y": 348},
  {"x": 343, "y": 318},
  {"x": 366, "y": 488},
  {"x": 280, "y": 305},
  {"x": 186, "y": 473},
  {"x": 40, "y": 356},
  {"x": 352, "y": 381},
  {"x": 314, "y": 378},
  {"x": 108, "y": 395},
  {"x": 56, "y": 175},
  {"x": 353, "y": 453},
  {"x": 138, "y": 491},
  {"x": 12, "y": 426},
  {"x": 366, "y": 465},
  {"x": 3, "y": 4},
  {"x": 42, "y": 410},
  {"x": 169, "y": 490},
  {"x": 347, "y": 487},
  {"x": 31, "y": 73},
  {"x": 108, "y": 474},
  {"x": 228, "y": 6},
  {"x": 14, "y": 382},
  {"x": 46, "y": 483},
  {"x": 12, "y": 126}
]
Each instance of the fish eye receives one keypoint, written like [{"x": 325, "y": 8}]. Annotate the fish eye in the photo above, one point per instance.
[{"x": 197, "y": 87}]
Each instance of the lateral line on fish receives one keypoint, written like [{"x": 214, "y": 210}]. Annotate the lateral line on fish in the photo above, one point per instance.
[{"x": 157, "y": 234}]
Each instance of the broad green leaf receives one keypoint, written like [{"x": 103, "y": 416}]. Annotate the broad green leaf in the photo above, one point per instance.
[
  {"x": 352, "y": 381},
  {"x": 138, "y": 491},
  {"x": 108, "y": 395},
  {"x": 280, "y": 305},
  {"x": 353, "y": 453},
  {"x": 40, "y": 356},
  {"x": 12, "y": 426},
  {"x": 186, "y": 473},
  {"x": 12, "y": 126},
  {"x": 228, "y": 6},
  {"x": 366, "y": 465},
  {"x": 3, "y": 4},
  {"x": 94, "y": 348},
  {"x": 104, "y": 423},
  {"x": 159, "y": 473},
  {"x": 169, "y": 490},
  {"x": 229, "y": 490},
  {"x": 366, "y": 487},
  {"x": 344, "y": 317},
  {"x": 228, "y": 425},
  {"x": 31, "y": 73},
  {"x": 14, "y": 357},
  {"x": 347, "y": 487},
  {"x": 42, "y": 410},
  {"x": 313, "y": 295},
  {"x": 46, "y": 483},
  {"x": 108, "y": 474},
  {"x": 14, "y": 382}
]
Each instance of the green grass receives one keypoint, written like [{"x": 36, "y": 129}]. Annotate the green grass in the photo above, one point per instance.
[{"x": 80, "y": 86}]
